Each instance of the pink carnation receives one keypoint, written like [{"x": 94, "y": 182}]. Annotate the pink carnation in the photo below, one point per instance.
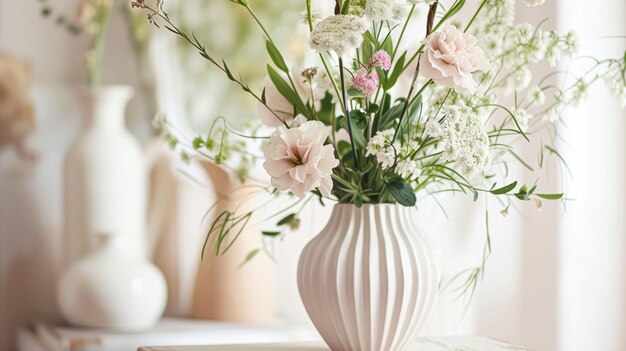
[
  {"x": 451, "y": 57},
  {"x": 381, "y": 59},
  {"x": 297, "y": 159},
  {"x": 367, "y": 83}
]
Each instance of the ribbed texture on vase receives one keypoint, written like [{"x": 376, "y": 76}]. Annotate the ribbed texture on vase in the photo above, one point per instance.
[{"x": 369, "y": 279}]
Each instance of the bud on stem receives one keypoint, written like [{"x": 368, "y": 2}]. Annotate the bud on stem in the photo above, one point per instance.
[{"x": 432, "y": 12}]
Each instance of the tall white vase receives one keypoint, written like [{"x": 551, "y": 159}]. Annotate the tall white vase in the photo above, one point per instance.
[
  {"x": 370, "y": 278},
  {"x": 104, "y": 177},
  {"x": 108, "y": 283}
]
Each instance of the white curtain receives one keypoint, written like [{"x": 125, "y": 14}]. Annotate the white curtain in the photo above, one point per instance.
[{"x": 592, "y": 236}]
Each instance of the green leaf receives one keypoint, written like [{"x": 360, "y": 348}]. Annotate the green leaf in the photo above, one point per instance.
[
  {"x": 271, "y": 234},
  {"x": 286, "y": 219},
  {"x": 358, "y": 202},
  {"x": 373, "y": 108},
  {"x": 367, "y": 49},
  {"x": 402, "y": 192},
  {"x": 345, "y": 7},
  {"x": 454, "y": 9},
  {"x": 504, "y": 189},
  {"x": 550, "y": 196},
  {"x": 523, "y": 193},
  {"x": 276, "y": 57},
  {"x": 249, "y": 257},
  {"x": 227, "y": 71},
  {"x": 395, "y": 73},
  {"x": 352, "y": 92},
  {"x": 285, "y": 90},
  {"x": 387, "y": 44},
  {"x": 406, "y": 122}
]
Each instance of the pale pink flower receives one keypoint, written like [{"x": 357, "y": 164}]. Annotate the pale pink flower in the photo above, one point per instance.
[
  {"x": 381, "y": 59},
  {"x": 297, "y": 159},
  {"x": 367, "y": 83},
  {"x": 451, "y": 57}
]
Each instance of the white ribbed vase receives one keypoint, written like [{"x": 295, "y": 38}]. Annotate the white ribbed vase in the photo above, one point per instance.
[{"x": 370, "y": 278}]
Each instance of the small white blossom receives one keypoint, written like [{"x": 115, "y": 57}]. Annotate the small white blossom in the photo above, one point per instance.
[
  {"x": 616, "y": 82},
  {"x": 523, "y": 118},
  {"x": 561, "y": 46},
  {"x": 578, "y": 92},
  {"x": 399, "y": 11},
  {"x": 537, "y": 96},
  {"x": 518, "y": 80},
  {"x": 380, "y": 147},
  {"x": 552, "y": 115},
  {"x": 463, "y": 138},
  {"x": 338, "y": 33},
  {"x": 378, "y": 10},
  {"x": 408, "y": 169}
]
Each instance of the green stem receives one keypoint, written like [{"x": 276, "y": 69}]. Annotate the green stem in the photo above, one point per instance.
[
  {"x": 258, "y": 22},
  {"x": 309, "y": 18},
  {"x": 482, "y": 4},
  {"x": 409, "y": 100},
  {"x": 408, "y": 19},
  {"x": 332, "y": 80},
  {"x": 267, "y": 34},
  {"x": 344, "y": 96}
]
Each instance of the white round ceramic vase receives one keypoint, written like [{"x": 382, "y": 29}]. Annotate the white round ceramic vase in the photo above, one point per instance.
[
  {"x": 370, "y": 278},
  {"x": 114, "y": 288}
]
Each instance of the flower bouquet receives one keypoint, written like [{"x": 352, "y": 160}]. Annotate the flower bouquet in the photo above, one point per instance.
[{"x": 374, "y": 125}]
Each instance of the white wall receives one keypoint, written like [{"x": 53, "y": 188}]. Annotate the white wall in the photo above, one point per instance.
[{"x": 30, "y": 204}]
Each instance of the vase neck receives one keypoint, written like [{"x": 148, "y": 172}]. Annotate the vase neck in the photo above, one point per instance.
[
  {"x": 106, "y": 106},
  {"x": 375, "y": 215},
  {"x": 373, "y": 210}
]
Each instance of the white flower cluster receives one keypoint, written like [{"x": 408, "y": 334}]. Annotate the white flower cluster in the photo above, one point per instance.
[
  {"x": 616, "y": 81},
  {"x": 518, "y": 46},
  {"x": 380, "y": 10},
  {"x": 463, "y": 138},
  {"x": 338, "y": 33},
  {"x": 523, "y": 118},
  {"x": 380, "y": 146},
  {"x": 439, "y": 96}
]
